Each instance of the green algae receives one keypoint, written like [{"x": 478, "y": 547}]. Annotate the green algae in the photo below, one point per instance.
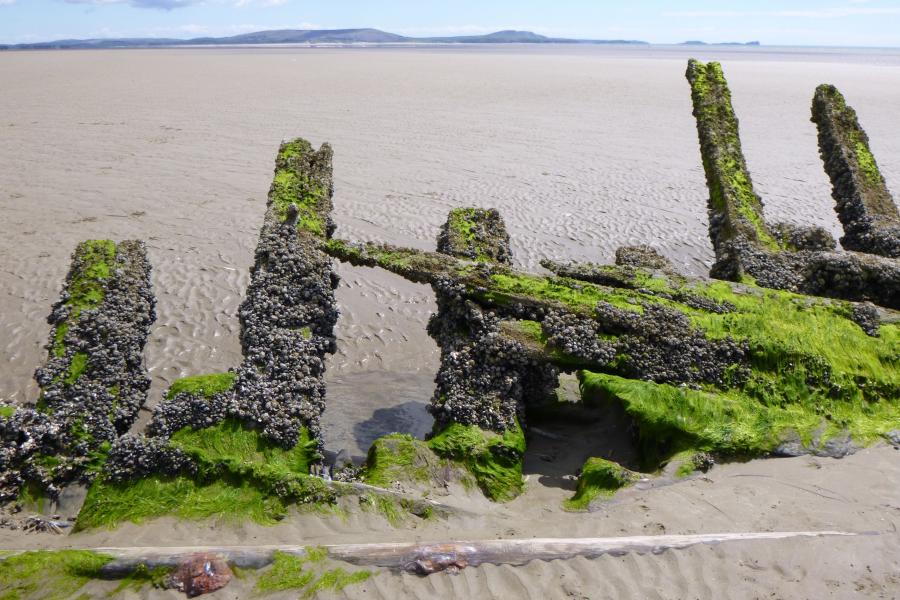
[
  {"x": 77, "y": 367},
  {"x": 109, "y": 504},
  {"x": 144, "y": 576},
  {"x": 415, "y": 265},
  {"x": 748, "y": 204},
  {"x": 600, "y": 478},
  {"x": 462, "y": 225},
  {"x": 850, "y": 130},
  {"x": 297, "y": 147},
  {"x": 238, "y": 449},
  {"x": 493, "y": 459},
  {"x": 867, "y": 165},
  {"x": 241, "y": 476},
  {"x": 292, "y": 185},
  {"x": 798, "y": 346},
  {"x": 688, "y": 462},
  {"x": 289, "y": 188},
  {"x": 785, "y": 330},
  {"x": 509, "y": 287},
  {"x": 789, "y": 336},
  {"x": 462, "y": 232},
  {"x": 59, "y": 336},
  {"x": 530, "y": 329},
  {"x": 792, "y": 338},
  {"x": 32, "y": 497},
  {"x": 531, "y": 335},
  {"x": 98, "y": 451},
  {"x": 732, "y": 423},
  {"x": 402, "y": 458},
  {"x": 48, "y": 462},
  {"x": 503, "y": 286},
  {"x": 528, "y": 333},
  {"x": 205, "y": 386},
  {"x": 397, "y": 457},
  {"x": 286, "y": 573},
  {"x": 335, "y": 580},
  {"x": 306, "y": 573},
  {"x": 7, "y": 411},
  {"x": 94, "y": 263},
  {"x": 48, "y": 575},
  {"x": 392, "y": 510}
]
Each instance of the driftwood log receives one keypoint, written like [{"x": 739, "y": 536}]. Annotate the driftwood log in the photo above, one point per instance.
[{"x": 426, "y": 558}]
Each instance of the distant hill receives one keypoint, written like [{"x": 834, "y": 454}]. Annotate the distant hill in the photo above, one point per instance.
[
  {"x": 500, "y": 37},
  {"x": 699, "y": 43},
  {"x": 314, "y": 36},
  {"x": 311, "y": 36},
  {"x": 510, "y": 36}
]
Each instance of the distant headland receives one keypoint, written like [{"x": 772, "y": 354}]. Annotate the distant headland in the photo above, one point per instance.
[
  {"x": 311, "y": 36},
  {"x": 700, "y": 43}
]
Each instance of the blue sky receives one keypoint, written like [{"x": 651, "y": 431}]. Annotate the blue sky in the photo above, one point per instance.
[{"x": 800, "y": 22}]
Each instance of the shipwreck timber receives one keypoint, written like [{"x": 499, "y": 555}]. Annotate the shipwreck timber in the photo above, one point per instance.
[
  {"x": 701, "y": 366},
  {"x": 271, "y": 404},
  {"x": 863, "y": 203},
  {"x": 747, "y": 247},
  {"x": 94, "y": 381},
  {"x": 792, "y": 347},
  {"x": 288, "y": 317}
]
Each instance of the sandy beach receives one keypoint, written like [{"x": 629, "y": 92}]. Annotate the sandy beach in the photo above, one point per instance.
[
  {"x": 856, "y": 494},
  {"x": 581, "y": 149}
]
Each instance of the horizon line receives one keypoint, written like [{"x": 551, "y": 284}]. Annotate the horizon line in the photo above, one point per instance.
[{"x": 423, "y": 40}]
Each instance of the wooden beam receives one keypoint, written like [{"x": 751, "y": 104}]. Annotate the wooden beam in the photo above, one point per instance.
[{"x": 425, "y": 558}]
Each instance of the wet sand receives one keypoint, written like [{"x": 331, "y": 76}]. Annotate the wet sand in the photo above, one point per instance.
[
  {"x": 856, "y": 494},
  {"x": 582, "y": 150}
]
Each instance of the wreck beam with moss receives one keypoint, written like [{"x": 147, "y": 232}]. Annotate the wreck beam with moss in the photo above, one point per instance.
[
  {"x": 289, "y": 313},
  {"x": 863, "y": 203},
  {"x": 700, "y": 365},
  {"x": 245, "y": 442},
  {"x": 480, "y": 387},
  {"x": 785, "y": 256},
  {"x": 94, "y": 381}
]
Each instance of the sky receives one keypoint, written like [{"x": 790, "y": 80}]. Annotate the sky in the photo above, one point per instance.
[{"x": 772, "y": 22}]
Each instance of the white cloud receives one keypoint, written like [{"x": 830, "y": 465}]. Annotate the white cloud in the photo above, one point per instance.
[
  {"x": 171, "y": 4},
  {"x": 240, "y": 3},
  {"x": 159, "y": 4},
  {"x": 7, "y": 2},
  {"x": 192, "y": 30},
  {"x": 821, "y": 13}
]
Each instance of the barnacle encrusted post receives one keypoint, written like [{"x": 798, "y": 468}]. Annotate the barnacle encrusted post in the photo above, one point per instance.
[
  {"x": 101, "y": 324},
  {"x": 477, "y": 383},
  {"x": 94, "y": 381},
  {"x": 289, "y": 313},
  {"x": 735, "y": 211},
  {"x": 251, "y": 433},
  {"x": 747, "y": 249},
  {"x": 484, "y": 376},
  {"x": 863, "y": 203},
  {"x": 701, "y": 366},
  {"x": 287, "y": 318},
  {"x": 477, "y": 234}
]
